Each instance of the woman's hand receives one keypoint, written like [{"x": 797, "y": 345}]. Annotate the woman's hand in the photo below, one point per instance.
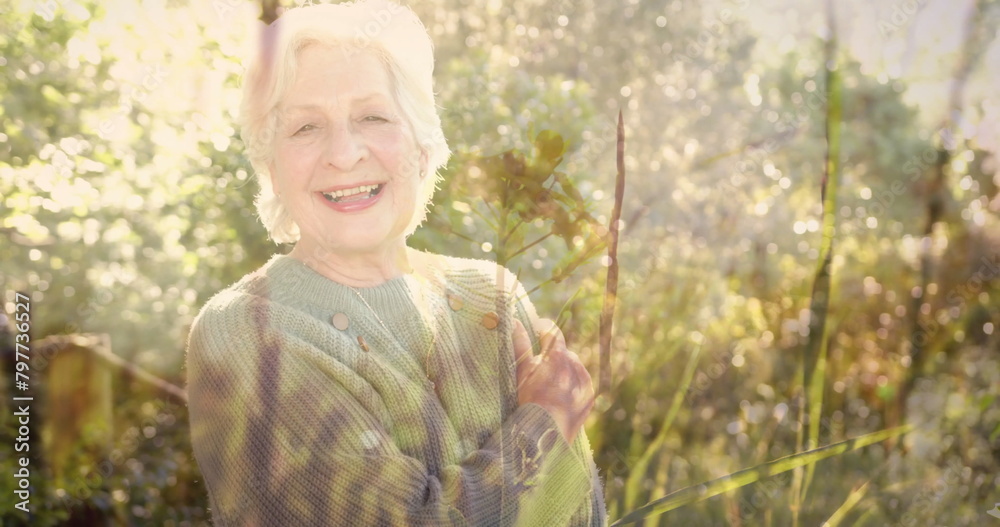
[{"x": 555, "y": 379}]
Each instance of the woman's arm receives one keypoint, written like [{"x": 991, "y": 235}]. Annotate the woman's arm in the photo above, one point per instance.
[{"x": 281, "y": 442}]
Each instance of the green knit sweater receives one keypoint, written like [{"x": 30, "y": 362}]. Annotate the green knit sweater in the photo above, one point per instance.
[{"x": 308, "y": 409}]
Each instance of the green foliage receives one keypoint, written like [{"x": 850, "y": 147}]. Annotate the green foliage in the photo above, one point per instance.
[
  {"x": 127, "y": 202},
  {"x": 517, "y": 197}
]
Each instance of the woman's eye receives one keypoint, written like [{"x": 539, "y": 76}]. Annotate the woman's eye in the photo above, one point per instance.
[
  {"x": 376, "y": 119},
  {"x": 305, "y": 128}
]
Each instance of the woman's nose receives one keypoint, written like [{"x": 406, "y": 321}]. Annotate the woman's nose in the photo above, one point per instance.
[{"x": 345, "y": 147}]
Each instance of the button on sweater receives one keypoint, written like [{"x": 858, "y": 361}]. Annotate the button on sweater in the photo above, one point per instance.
[{"x": 402, "y": 412}]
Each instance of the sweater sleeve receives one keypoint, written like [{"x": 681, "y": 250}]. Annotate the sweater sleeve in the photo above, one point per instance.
[
  {"x": 286, "y": 435},
  {"x": 596, "y": 514}
]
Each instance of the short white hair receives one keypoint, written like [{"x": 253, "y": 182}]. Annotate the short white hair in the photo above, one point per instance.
[{"x": 395, "y": 35}]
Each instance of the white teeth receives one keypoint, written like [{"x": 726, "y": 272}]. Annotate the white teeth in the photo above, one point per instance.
[{"x": 350, "y": 191}]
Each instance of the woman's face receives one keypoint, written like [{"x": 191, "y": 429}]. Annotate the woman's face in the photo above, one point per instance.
[{"x": 340, "y": 133}]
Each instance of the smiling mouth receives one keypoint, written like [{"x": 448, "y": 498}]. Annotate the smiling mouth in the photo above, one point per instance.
[{"x": 353, "y": 194}]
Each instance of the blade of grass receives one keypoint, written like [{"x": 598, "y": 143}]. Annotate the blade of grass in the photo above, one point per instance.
[
  {"x": 701, "y": 492},
  {"x": 750, "y": 147},
  {"x": 637, "y": 442},
  {"x": 852, "y": 499},
  {"x": 638, "y": 472},
  {"x": 814, "y": 356},
  {"x": 863, "y": 519},
  {"x": 560, "y": 320}
]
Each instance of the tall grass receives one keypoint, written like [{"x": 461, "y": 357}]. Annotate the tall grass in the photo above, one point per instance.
[
  {"x": 813, "y": 364},
  {"x": 708, "y": 489}
]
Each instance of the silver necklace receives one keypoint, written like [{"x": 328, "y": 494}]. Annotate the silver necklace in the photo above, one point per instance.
[{"x": 427, "y": 356}]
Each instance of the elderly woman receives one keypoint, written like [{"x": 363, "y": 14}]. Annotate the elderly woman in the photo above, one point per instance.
[{"x": 355, "y": 381}]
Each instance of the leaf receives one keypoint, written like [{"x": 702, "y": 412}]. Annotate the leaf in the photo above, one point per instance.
[
  {"x": 567, "y": 186},
  {"x": 550, "y": 145}
]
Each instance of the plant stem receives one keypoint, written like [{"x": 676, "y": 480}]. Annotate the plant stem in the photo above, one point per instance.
[
  {"x": 611, "y": 287},
  {"x": 530, "y": 245}
]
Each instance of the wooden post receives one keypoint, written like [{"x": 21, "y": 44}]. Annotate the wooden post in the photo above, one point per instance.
[{"x": 77, "y": 436}]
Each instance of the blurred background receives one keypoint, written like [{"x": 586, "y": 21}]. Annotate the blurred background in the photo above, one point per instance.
[{"x": 809, "y": 242}]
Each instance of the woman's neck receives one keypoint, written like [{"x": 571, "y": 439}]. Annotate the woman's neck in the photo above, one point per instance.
[{"x": 361, "y": 270}]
